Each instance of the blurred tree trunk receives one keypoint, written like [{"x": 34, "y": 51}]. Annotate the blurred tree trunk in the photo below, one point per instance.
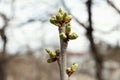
[
  {"x": 97, "y": 57},
  {"x": 3, "y": 55}
]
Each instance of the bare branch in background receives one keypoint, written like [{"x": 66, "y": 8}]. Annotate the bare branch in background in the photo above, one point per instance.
[
  {"x": 31, "y": 21},
  {"x": 3, "y": 55},
  {"x": 117, "y": 27},
  {"x": 75, "y": 18},
  {"x": 6, "y": 22},
  {"x": 2, "y": 31},
  {"x": 113, "y": 5},
  {"x": 89, "y": 34}
]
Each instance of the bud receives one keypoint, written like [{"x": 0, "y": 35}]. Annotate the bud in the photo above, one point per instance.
[
  {"x": 74, "y": 67},
  {"x": 68, "y": 70},
  {"x": 71, "y": 69},
  {"x": 53, "y": 19},
  {"x": 51, "y": 53},
  {"x": 57, "y": 52},
  {"x": 49, "y": 60},
  {"x": 73, "y": 36},
  {"x": 59, "y": 17},
  {"x": 61, "y": 11},
  {"x": 63, "y": 36},
  {"x": 68, "y": 29},
  {"x": 68, "y": 18},
  {"x": 64, "y": 16}
]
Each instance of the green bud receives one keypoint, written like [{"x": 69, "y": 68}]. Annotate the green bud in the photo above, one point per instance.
[
  {"x": 53, "y": 19},
  {"x": 49, "y": 60},
  {"x": 61, "y": 11},
  {"x": 63, "y": 36},
  {"x": 68, "y": 29},
  {"x": 51, "y": 53},
  {"x": 68, "y": 70},
  {"x": 64, "y": 16},
  {"x": 59, "y": 17},
  {"x": 68, "y": 18},
  {"x": 74, "y": 67},
  {"x": 73, "y": 36},
  {"x": 57, "y": 52}
]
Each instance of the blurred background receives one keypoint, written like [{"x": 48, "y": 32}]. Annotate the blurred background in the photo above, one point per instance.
[{"x": 25, "y": 31}]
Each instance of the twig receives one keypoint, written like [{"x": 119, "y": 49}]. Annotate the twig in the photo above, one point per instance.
[
  {"x": 63, "y": 46},
  {"x": 97, "y": 57},
  {"x": 62, "y": 20},
  {"x": 113, "y": 6},
  {"x": 2, "y": 32}
]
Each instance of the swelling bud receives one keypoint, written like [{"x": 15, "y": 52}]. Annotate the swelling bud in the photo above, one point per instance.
[
  {"x": 51, "y": 60},
  {"x": 68, "y": 71},
  {"x": 59, "y": 17},
  {"x": 51, "y": 53},
  {"x": 68, "y": 29},
  {"x": 68, "y": 18},
  {"x": 73, "y": 36},
  {"x": 61, "y": 11},
  {"x": 63, "y": 36},
  {"x": 74, "y": 67},
  {"x": 53, "y": 19}
]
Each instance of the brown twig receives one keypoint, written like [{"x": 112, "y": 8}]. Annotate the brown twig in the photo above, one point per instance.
[
  {"x": 2, "y": 32},
  {"x": 97, "y": 57}
]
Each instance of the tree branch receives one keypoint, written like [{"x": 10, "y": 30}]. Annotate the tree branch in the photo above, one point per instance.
[
  {"x": 113, "y": 6},
  {"x": 30, "y": 21},
  {"x": 2, "y": 32},
  {"x": 97, "y": 57},
  {"x": 117, "y": 27}
]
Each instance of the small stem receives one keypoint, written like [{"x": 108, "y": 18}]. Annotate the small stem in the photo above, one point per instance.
[{"x": 63, "y": 47}]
